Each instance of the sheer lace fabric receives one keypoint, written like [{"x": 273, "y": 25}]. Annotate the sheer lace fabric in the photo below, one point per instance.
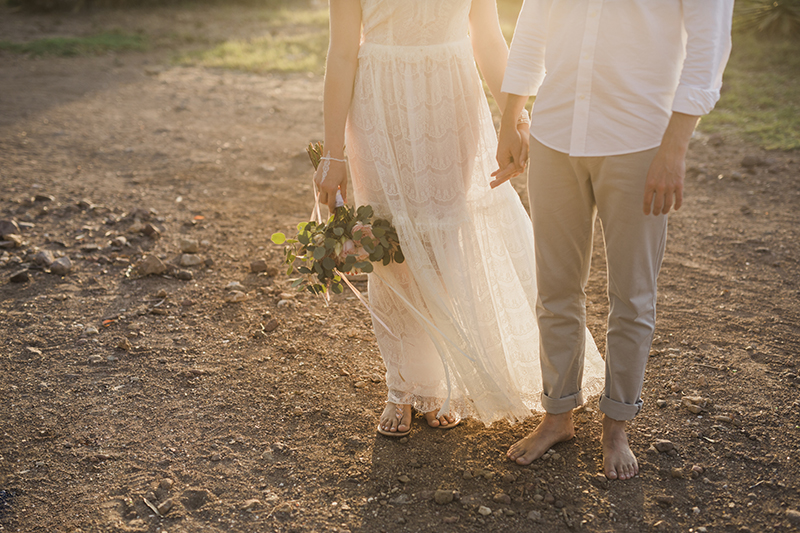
[{"x": 421, "y": 144}]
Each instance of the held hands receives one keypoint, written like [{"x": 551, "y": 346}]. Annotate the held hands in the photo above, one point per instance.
[
  {"x": 512, "y": 151},
  {"x": 331, "y": 177}
]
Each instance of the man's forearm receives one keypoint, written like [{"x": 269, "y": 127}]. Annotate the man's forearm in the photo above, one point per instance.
[{"x": 679, "y": 133}]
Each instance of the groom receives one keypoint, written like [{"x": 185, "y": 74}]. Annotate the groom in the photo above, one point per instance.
[{"x": 619, "y": 89}]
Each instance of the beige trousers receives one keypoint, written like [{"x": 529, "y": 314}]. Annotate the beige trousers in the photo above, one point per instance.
[{"x": 566, "y": 195}]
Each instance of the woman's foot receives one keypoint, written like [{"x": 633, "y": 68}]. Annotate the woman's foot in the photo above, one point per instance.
[
  {"x": 441, "y": 422},
  {"x": 395, "y": 420},
  {"x": 551, "y": 430}
]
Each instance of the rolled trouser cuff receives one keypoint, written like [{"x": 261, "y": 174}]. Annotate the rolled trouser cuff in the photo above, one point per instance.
[
  {"x": 558, "y": 406},
  {"x": 618, "y": 410}
]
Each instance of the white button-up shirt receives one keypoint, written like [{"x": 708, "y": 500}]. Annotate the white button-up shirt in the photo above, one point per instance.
[{"x": 607, "y": 74}]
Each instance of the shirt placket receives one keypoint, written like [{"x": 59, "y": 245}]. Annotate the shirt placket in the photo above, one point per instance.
[{"x": 583, "y": 87}]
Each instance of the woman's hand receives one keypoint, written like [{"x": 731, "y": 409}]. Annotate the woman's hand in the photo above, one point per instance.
[{"x": 331, "y": 176}]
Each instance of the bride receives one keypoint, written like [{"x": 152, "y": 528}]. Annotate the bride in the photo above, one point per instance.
[{"x": 457, "y": 329}]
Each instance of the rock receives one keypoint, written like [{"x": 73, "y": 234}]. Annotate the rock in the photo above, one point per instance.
[
  {"x": 11, "y": 241},
  {"x": 737, "y": 176},
  {"x": 508, "y": 477},
  {"x": 20, "y": 277},
  {"x": 61, "y": 266},
  {"x": 184, "y": 275},
  {"x": 298, "y": 411},
  {"x": 793, "y": 516},
  {"x": 697, "y": 471},
  {"x": 443, "y": 497},
  {"x": 151, "y": 231},
  {"x": 661, "y": 403},
  {"x": 750, "y": 161},
  {"x": 44, "y": 258},
  {"x": 119, "y": 241},
  {"x": 189, "y": 246},
  {"x": 95, "y": 359},
  {"x": 664, "y": 500},
  {"x": 150, "y": 265},
  {"x": 723, "y": 418},
  {"x": 8, "y": 227},
  {"x": 536, "y": 516},
  {"x": 467, "y": 474},
  {"x": 559, "y": 504},
  {"x": 165, "y": 507},
  {"x": 716, "y": 140},
  {"x": 601, "y": 481},
  {"x": 271, "y": 326},
  {"x": 402, "y": 499},
  {"x": 258, "y": 266},
  {"x": 663, "y": 446},
  {"x": 426, "y": 495},
  {"x": 235, "y": 297},
  {"x": 676, "y": 473},
  {"x": 272, "y": 271},
  {"x": 403, "y": 479},
  {"x": 91, "y": 330},
  {"x": 112, "y": 358},
  {"x": 44, "y": 198},
  {"x": 234, "y": 286},
  {"x": 501, "y": 498},
  {"x": 251, "y": 505},
  {"x": 450, "y": 519},
  {"x": 484, "y": 511},
  {"x": 166, "y": 483},
  {"x": 190, "y": 260},
  {"x": 549, "y": 498}
]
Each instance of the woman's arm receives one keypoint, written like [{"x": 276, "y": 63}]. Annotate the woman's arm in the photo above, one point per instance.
[
  {"x": 489, "y": 46},
  {"x": 340, "y": 73}
]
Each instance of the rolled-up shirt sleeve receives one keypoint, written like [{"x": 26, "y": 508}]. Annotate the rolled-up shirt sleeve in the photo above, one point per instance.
[
  {"x": 708, "y": 47},
  {"x": 526, "y": 68}
]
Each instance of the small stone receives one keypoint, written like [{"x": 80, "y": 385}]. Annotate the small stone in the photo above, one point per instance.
[
  {"x": 403, "y": 479},
  {"x": 271, "y": 326},
  {"x": 184, "y": 275},
  {"x": 450, "y": 519},
  {"x": 443, "y": 497},
  {"x": 251, "y": 505},
  {"x": 272, "y": 271},
  {"x": 61, "y": 266},
  {"x": 190, "y": 260},
  {"x": 234, "y": 286},
  {"x": 484, "y": 511},
  {"x": 258, "y": 266},
  {"x": 692, "y": 408},
  {"x": 8, "y": 227},
  {"x": 549, "y": 498},
  {"x": 112, "y": 358},
  {"x": 44, "y": 258},
  {"x": 166, "y": 483},
  {"x": 508, "y": 477},
  {"x": 676, "y": 473},
  {"x": 44, "y": 198},
  {"x": 661, "y": 403},
  {"x": 189, "y": 246},
  {"x": 664, "y": 500},
  {"x": 119, "y": 241},
  {"x": 402, "y": 499},
  {"x": 501, "y": 498},
  {"x": 95, "y": 359},
  {"x": 601, "y": 481},
  {"x": 560, "y": 504},
  {"x": 151, "y": 231},
  {"x": 663, "y": 446},
  {"x": 91, "y": 330},
  {"x": 165, "y": 507},
  {"x": 737, "y": 176},
  {"x": 298, "y": 411},
  {"x": 11, "y": 241},
  {"x": 150, "y": 265},
  {"x": 793, "y": 516},
  {"x": 467, "y": 474},
  {"x": 695, "y": 510},
  {"x": 20, "y": 277},
  {"x": 235, "y": 297},
  {"x": 536, "y": 516},
  {"x": 723, "y": 418},
  {"x": 750, "y": 161}
]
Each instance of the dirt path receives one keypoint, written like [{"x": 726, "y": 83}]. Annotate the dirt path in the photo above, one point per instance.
[{"x": 259, "y": 415}]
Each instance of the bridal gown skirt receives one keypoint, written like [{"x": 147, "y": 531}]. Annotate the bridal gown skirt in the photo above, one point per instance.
[{"x": 461, "y": 332}]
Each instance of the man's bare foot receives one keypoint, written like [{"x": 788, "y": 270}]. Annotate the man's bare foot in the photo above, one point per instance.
[
  {"x": 618, "y": 459},
  {"x": 444, "y": 421},
  {"x": 395, "y": 418},
  {"x": 551, "y": 430}
]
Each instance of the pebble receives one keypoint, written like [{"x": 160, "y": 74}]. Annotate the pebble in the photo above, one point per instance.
[
  {"x": 151, "y": 231},
  {"x": 549, "y": 498},
  {"x": 258, "y": 266},
  {"x": 443, "y": 497},
  {"x": 504, "y": 499},
  {"x": 484, "y": 511},
  {"x": 663, "y": 446},
  {"x": 150, "y": 265},
  {"x": 661, "y": 403},
  {"x": 11, "y": 241},
  {"x": 676, "y": 473},
  {"x": 251, "y": 505},
  {"x": 235, "y": 297},
  {"x": 723, "y": 418},
  {"x": 793, "y": 516},
  {"x": 450, "y": 519},
  {"x": 234, "y": 286},
  {"x": 750, "y": 161},
  {"x": 166, "y": 483},
  {"x": 271, "y": 326},
  {"x": 119, "y": 241},
  {"x": 467, "y": 474},
  {"x": 95, "y": 359},
  {"x": 61, "y": 266},
  {"x": 8, "y": 227},
  {"x": 298, "y": 411},
  {"x": 535, "y": 516},
  {"x": 44, "y": 258},
  {"x": 402, "y": 499},
  {"x": 165, "y": 507},
  {"x": 508, "y": 477},
  {"x": 112, "y": 358},
  {"x": 664, "y": 500},
  {"x": 20, "y": 277},
  {"x": 184, "y": 275},
  {"x": 191, "y": 260},
  {"x": 189, "y": 246},
  {"x": 91, "y": 330},
  {"x": 403, "y": 479}
]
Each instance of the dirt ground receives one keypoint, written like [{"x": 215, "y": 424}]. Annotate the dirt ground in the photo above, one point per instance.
[{"x": 120, "y": 391}]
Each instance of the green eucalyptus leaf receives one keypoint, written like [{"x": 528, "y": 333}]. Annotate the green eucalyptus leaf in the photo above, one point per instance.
[
  {"x": 338, "y": 231},
  {"x": 319, "y": 252},
  {"x": 378, "y": 232},
  {"x": 337, "y": 288},
  {"x": 399, "y": 257},
  {"x": 278, "y": 238},
  {"x": 328, "y": 263}
]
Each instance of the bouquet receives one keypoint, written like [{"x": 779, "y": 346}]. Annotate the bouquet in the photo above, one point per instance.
[{"x": 349, "y": 242}]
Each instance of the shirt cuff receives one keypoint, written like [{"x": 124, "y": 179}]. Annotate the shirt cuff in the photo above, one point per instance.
[
  {"x": 523, "y": 84},
  {"x": 694, "y": 101}
]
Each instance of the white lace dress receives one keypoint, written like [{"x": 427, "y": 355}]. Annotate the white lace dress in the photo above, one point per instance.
[{"x": 462, "y": 334}]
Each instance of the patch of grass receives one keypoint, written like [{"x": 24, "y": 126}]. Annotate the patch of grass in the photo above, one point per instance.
[
  {"x": 761, "y": 93},
  {"x": 292, "y": 53},
  {"x": 77, "y": 46}
]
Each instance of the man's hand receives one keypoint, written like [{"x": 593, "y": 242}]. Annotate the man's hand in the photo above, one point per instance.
[
  {"x": 512, "y": 143},
  {"x": 663, "y": 189},
  {"x": 328, "y": 183}
]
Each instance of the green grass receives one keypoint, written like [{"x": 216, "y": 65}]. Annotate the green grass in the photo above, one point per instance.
[
  {"x": 77, "y": 46},
  {"x": 761, "y": 93}
]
